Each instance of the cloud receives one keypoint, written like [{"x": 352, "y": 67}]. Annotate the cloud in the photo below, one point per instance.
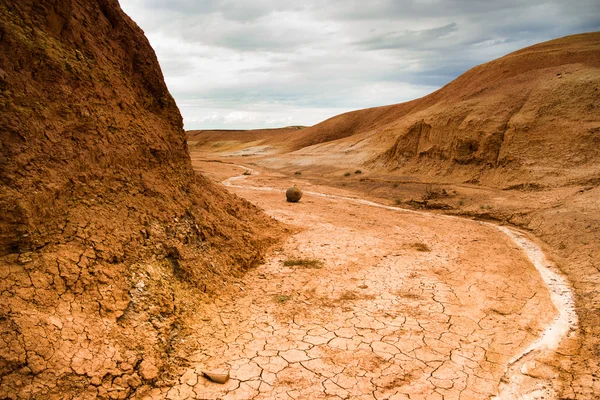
[
  {"x": 233, "y": 10},
  {"x": 236, "y": 64},
  {"x": 407, "y": 39}
]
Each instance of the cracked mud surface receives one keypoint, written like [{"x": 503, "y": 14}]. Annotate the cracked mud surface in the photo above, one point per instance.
[{"x": 404, "y": 305}]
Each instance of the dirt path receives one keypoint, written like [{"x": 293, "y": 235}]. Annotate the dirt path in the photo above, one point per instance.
[{"x": 403, "y": 305}]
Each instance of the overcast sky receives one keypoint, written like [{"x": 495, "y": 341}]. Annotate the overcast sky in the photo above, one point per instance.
[{"x": 235, "y": 64}]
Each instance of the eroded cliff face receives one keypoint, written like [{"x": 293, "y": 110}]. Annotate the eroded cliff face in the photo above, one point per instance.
[
  {"x": 107, "y": 237},
  {"x": 528, "y": 117}
]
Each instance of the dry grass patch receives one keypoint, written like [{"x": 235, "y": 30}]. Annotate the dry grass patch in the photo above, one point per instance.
[
  {"x": 419, "y": 246},
  {"x": 406, "y": 294},
  {"x": 396, "y": 381},
  {"x": 350, "y": 295},
  {"x": 435, "y": 192},
  {"x": 311, "y": 263},
  {"x": 282, "y": 298},
  {"x": 343, "y": 298}
]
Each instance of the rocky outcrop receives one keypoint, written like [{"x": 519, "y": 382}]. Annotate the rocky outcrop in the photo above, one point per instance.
[{"x": 107, "y": 237}]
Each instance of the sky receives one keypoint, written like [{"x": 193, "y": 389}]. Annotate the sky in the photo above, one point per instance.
[{"x": 233, "y": 64}]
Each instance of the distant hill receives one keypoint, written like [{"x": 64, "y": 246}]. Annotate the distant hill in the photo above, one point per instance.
[
  {"x": 232, "y": 140},
  {"x": 530, "y": 115}
]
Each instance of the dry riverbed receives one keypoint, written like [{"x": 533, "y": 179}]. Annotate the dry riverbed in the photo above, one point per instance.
[{"x": 384, "y": 304}]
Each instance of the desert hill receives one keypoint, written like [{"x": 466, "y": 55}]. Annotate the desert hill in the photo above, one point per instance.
[
  {"x": 537, "y": 106},
  {"x": 107, "y": 236},
  {"x": 266, "y": 140},
  {"x": 530, "y": 116}
]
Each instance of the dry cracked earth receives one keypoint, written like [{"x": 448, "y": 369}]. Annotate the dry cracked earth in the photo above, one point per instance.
[{"x": 399, "y": 305}]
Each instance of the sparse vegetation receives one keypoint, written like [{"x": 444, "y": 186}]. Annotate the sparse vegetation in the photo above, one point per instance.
[
  {"x": 434, "y": 192},
  {"x": 304, "y": 262},
  {"x": 395, "y": 185},
  {"x": 416, "y": 203},
  {"x": 358, "y": 171},
  {"x": 495, "y": 310},
  {"x": 282, "y": 298},
  {"x": 398, "y": 381},
  {"x": 461, "y": 202},
  {"x": 526, "y": 187},
  {"x": 349, "y": 295},
  {"x": 406, "y": 294},
  {"x": 246, "y": 172},
  {"x": 297, "y": 173},
  {"x": 419, "y": 246},
  {"x": 397, "y": 201},
  {"x": 347, "y": 174}
]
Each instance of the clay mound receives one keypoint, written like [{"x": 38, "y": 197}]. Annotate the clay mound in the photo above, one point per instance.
[
  {"x": 107, "y": 237},
  {"x": 530, "y": 115}
]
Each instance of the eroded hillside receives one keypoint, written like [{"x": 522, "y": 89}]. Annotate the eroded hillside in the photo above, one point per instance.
[{"x": 107, "y": 237}]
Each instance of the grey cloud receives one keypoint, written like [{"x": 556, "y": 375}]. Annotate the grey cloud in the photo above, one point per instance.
[
  {"x": 183, "y": 6},
  {"x": 260, "y": 39},
  {"x": 407, "y": 38},
  {"x": 268, "y": 35},
  {"x": 229, "y": 9},
  {"x": 408, "y": 9}
]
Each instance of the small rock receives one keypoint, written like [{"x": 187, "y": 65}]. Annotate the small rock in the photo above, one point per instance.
[
  {"x": 25, "y": 258},
  {"x": 126, "y": 366},
  {"x": 96, "y": 380},
  {"x": 216, "y": 377},
  {"x": 293, "y": 194},
  {"x": 148, "y": 370},
  {"x": 538, "y": 370},
  {"x": 189, "y": 378},
  {"x": 134, "y": 381},
  {"x": 56, "y": 322}
]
